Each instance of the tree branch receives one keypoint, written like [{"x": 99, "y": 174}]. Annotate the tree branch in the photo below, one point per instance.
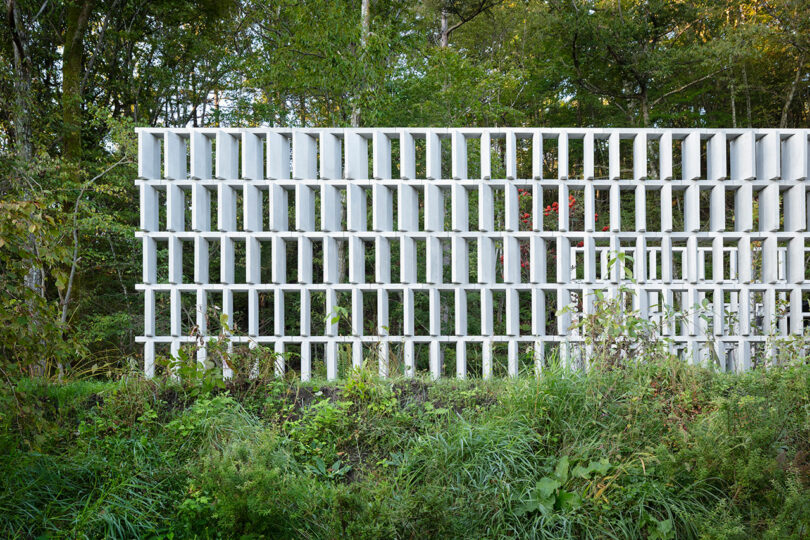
[
  {"x": 75, "y": 258},
  {"x": 684, "y": 87}
]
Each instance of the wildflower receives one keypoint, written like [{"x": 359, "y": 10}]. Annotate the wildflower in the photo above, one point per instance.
[
  {"x": 605, "y": 228},
  {"x": 580, "y": 243}
]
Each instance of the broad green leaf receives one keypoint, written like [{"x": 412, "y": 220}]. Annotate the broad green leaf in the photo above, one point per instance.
[
  {"x": 664, "y": 526},
  {"x": 561, "y": 471},
  {"x": 546, "y": 487},
  {"x": 601, "y": 467},
  {"x": 528, "y": 507},
  {"x": 569, "y": 500},
  {"x": 581, "y": 472}
]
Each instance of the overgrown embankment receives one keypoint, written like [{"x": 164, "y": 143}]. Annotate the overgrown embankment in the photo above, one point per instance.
[{"x": 661, "y": 450}]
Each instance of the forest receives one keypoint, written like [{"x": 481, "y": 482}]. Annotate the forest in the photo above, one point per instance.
[{"x": 647, "y": 448}]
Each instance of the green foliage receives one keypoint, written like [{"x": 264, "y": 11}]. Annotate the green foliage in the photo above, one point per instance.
[
  {"x": 31, "y": 334},
  {"x": 654, "y": 450}
]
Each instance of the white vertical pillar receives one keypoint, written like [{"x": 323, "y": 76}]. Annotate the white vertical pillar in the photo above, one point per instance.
[
  {"x": 434, "y": 318},
  {"x": 486, "y": 156},
  {"x": 357, "y": 327},
  {"x": 381, "y": 165},
  {"x": 510, "y": 158},
  {"x": 407, "y": 155},
  {"x": 433, "y": 150},
  {"x": 201, "y": 262},
  {"x": 149, "y": 200},
  {"x": 253, "y": 313},
  {"x": 690, "y": 156},
  {"x": 174, "y": 159},
  {"x": 691, "y": 213},
  {"x": 743, "y": 156},
  {"x": 200, "y": 149},
  {"x": 537, "y": 260},
  {"x": 641, "y": 208},
  {"x": 614, "y": 156},
  {"x": 460, "y": 308},
  {"x": 278, "y": 156},
  {"x": 769, "y": 208},
  {"x": 226, "y": 262},
  {"x": 486, "y": 360},
  {"x": 640, "y": 156},
  {"x": 563, "y": 209},
  {"x": 511, "y": 208},
  {"x": 252, "y": 156},
  {"x": 512, "y": 357},
  {"x": 666, "y": 207},
  {"x": 537, "y": 155},
  {"x": 486, "y": 312},
  {"x": 769, "y": 259},
  {"x": 665, "y": 155},
  {"x": 768, "y": 148},
  {"x": 383, "y": 326},
  {"x": 148, "y": 155},
  {"x": 587, "y": 156},
  {"x": 716, "y": 157},
  {"x": 252, "y": 208},
  {"x": 796, "y": 312},
  {"x": 200, "y": 208},
  {"x": 743, "y": 208},
  {"x": 717, "y": 209},
  {"x": 305, "y": 167},
  {"x": 434, "y": 208},
  {"x": 562, "y": 157},
  {"x": 615, "y": 207},
  {"x": 226, "y": 208},
  {"x": 175, "y": 260}
]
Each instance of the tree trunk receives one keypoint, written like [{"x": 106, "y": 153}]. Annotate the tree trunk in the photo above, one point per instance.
[
  {"x": 78, "y": 15},
  {"x": 22, "y": 83},
  {"x": 747, "y": 96},
  {"x": 445, "y": 33},
  {"x": 792, "y": 92},
  {"x": 645, "y": 107},
  {"x": 23, "y": 142},
  {"x": 365, "y": 23},
  {"x": 733, "y": 105}
]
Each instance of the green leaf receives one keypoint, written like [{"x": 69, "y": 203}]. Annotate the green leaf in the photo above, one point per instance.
[
  {"x": 568, "y": 500},
  {"x": 664, "y": 526},
  {"x": 546, "y": 487},
  {"x": 581, "y": 472},
  {"x": 602, "y": 466},
  {"x": 561, "y": 471},
  {"x": 528, "y": 507}
]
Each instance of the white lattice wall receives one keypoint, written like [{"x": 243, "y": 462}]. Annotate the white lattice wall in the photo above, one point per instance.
[{"x": 439, "y": 198}]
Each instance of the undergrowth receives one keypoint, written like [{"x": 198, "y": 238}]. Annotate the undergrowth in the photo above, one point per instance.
[{"x": 654, "y": 450}]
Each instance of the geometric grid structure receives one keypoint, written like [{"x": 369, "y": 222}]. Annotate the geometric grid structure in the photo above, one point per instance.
[{"x": 509, "y": 224}]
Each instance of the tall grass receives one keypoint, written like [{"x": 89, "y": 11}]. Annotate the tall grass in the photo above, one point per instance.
[{"x": 653, "y": 449}]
